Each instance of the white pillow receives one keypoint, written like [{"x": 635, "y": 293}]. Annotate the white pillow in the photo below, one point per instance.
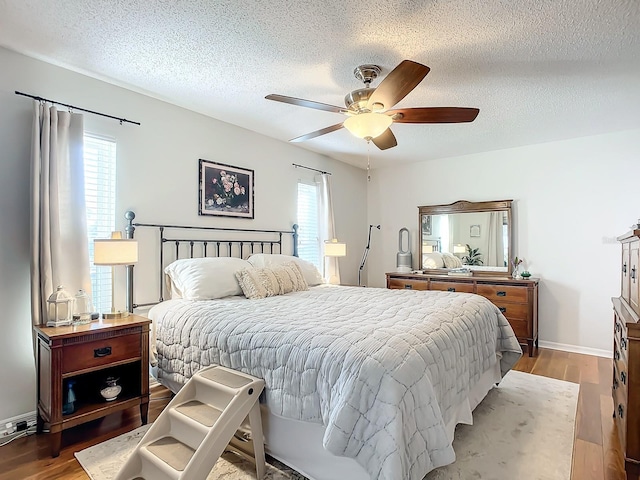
[
  {"x": 432, "y": 260},
  {"x": 308, "y": 269},
  {"x": 451, "y": 261},
  {"x": 206, "y": 278}
]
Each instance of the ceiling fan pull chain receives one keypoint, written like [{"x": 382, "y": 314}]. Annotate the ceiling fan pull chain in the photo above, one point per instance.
[{"x": 368, "y": 160}]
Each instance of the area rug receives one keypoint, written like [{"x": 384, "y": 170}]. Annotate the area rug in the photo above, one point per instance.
[{"x": 522, "y": 429}]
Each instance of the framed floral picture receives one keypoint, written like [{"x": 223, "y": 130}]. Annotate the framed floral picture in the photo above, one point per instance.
[{"x": 225, "y": 190}]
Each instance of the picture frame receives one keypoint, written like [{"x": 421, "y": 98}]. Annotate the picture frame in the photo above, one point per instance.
[
  {"x": 474, "y": 231},
  {"x": 426, "y": 224},
  {"x": 225, "y": 190}
]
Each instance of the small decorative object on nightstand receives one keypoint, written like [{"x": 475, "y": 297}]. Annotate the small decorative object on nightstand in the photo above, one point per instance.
[
  {"x": 111, "y": 389},
  {"x": 60, "y": 308}
]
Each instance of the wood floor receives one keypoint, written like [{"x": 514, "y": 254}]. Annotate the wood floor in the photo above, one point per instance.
[{"x": 596, "y": 451}]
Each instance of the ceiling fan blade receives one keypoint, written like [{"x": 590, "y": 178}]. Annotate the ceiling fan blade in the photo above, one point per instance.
[
  {"x": 306, "y": 103},
  {"x": 317, "y": 133},
  {"x": 433, "y": 115},
  {"x": 395, "y": 86},
  {"x": 385, "y": 140}
]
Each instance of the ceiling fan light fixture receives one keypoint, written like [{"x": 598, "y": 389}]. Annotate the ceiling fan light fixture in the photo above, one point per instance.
[{"x": 368, "y": 125}]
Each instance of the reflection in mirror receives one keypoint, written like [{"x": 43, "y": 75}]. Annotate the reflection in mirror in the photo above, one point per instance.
[{"x": 466, "y": 234}]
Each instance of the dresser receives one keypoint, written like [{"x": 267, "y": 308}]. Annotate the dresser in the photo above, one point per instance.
[
  {"x": 626, "y": 355},
  {"x": 516, "y": 299}
]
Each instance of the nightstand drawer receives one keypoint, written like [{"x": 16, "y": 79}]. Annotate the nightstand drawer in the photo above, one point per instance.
[
  {"x": 520, "y": 327},
  {"x": 503, "y": 293},
  {"x": 106, "y": 351}
]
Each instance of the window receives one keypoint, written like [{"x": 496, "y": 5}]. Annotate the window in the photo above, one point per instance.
[
  {"x": 100, "y": 198},
  {"x": 308, "y": 235}
]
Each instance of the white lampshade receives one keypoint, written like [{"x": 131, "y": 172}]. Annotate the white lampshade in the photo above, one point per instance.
[
  {"x": 115, "y": 251},
  {"x": 427, "y": 249},
  {"x": 334, "y": 248},
  {"x": 368, "y": 125},
  {"x": 459, "y": 248}
]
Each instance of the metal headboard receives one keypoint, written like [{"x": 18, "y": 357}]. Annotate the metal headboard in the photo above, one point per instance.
[{"x": 258, "y": 241}]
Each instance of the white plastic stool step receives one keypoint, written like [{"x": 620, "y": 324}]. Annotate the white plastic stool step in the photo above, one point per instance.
[{"x": 194, "y": 429}]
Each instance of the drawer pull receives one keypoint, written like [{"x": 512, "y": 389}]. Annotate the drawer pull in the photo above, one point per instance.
[
  {"x": 633, "y": 274},
  {"x": 451, "y": 289},
  {"x": 102, "y": 352},
  {"x": 620, "y": 411},
  {"x": 623, "y": 378},
  {"x": 624, "y": 268},
  {"x": 501, "y": 293},
  {"x": 408, "y": 286},
  {"x": 503, "y": 309}
]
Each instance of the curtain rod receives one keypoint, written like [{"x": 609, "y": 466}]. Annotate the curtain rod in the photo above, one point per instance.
[
  {"x": 309, "y": 168},
  {"x": 35, "y": 97}
]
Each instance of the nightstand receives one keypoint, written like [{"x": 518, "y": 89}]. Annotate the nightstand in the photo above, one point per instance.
[{"x": 88, "y": 355}]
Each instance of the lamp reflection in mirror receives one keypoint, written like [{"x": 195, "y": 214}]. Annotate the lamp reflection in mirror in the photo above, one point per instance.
[
  {"x": 334, "y": 248},
  {"x": 112, "y": 252},
  {"x": 459, "y": 248},
  {"x": 368, "y": 125}
]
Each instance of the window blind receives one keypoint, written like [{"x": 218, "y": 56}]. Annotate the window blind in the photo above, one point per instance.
[
  {"x": 308, "y": 232},
  {"x": 100, "y": 198}
]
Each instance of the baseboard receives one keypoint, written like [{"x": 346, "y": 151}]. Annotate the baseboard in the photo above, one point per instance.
[
  {"x": 576, "y": 349},
  {"x": 6, "y": 433}
]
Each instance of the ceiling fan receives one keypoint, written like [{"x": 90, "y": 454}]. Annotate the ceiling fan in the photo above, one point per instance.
[{"x": 370, "y": 109}]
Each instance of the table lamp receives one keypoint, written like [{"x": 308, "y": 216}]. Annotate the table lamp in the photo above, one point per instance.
[
  {"x": 334, "y": 248},
  {"x": 112, "y": 252}
]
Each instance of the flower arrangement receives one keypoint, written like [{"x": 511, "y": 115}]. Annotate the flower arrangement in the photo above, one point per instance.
[
  {"x": 516, "y": 262},
  {"x": 227, "y": 190}
]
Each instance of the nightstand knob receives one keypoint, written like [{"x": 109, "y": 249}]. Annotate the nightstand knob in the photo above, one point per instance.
[{"x": 102, "y": 352}]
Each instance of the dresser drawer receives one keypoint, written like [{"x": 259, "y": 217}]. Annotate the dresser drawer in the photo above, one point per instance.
[
  {"x": 520, "y": 327},
  {"x": 452, "y": 287},
  {"x": 513, "y": 311},
  {"x": 100, "y": 352},
  {"x": 408, "y": 284},
  {"x": 503, "y": 293},
  {"x": 620, "y": 410}
]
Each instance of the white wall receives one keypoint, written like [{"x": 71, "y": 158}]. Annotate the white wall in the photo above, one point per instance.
[
  {"x": 157, "y": 176},
  {"x": 572, "y": 198}
]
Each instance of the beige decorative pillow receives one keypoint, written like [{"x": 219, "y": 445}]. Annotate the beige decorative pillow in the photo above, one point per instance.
[
  {"x": 268, "y": 282},
  {"x": 258, "y": 282},
  {"x": 289, "y": 277}
]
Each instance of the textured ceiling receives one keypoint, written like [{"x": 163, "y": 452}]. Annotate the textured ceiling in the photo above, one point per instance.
[{"x": 538, "y": 70}]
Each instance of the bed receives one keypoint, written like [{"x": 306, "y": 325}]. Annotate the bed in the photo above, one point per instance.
[{"x": 360, "y": 382}]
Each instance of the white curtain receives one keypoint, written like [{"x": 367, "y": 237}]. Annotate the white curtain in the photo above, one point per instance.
[
  {"x": 327, "y": 227},
  {"x": 495, "y": 246},
  {"x": 59, "y": 246}
]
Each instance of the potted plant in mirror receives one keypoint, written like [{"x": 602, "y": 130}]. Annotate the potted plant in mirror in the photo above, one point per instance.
[{"x": 473, "y": 256}]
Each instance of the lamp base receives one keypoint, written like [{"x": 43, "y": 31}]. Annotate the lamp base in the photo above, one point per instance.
[{"x": 115, "y": 315}]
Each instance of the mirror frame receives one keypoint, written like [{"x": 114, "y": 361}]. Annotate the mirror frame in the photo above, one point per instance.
[{"x": 464, "y": 206}]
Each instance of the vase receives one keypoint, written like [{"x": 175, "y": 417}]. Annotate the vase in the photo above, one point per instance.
[
  {"x": 111, "y": 389},
  {"x": 516, "y": 272}
]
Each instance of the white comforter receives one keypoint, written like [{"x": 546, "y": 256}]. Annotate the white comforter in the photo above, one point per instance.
[{"x": 380, "y": 369}]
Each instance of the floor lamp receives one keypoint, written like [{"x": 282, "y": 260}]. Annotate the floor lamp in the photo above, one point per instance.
[
  {"x": 112, "y": 252},
  {"x": 365, "y": 253}
]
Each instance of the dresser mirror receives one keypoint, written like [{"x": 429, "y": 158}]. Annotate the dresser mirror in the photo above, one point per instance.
[{"x": 477, "y": 234}]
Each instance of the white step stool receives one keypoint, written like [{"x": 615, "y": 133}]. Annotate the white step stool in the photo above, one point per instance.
[{"x": 194, "y": 429}]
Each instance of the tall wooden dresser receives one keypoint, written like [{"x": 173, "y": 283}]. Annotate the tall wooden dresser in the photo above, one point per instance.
[
  {"x": 516, "y": 299},
  {"x": 626, "y": 355}
]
